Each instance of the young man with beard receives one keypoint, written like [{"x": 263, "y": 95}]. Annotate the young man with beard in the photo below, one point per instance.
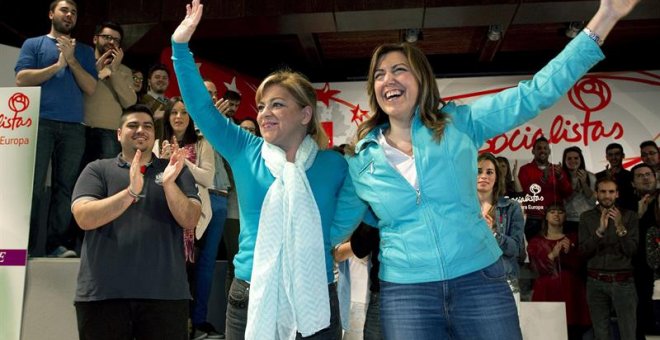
[
  {"x": 608, "y": 239},
  {"x": 623, "y": 178},
  {"x": 65, "y": 70},
  {"x": 113, "y": 93},
  {"x": 158, "y": 79},
  {"x": 132, "y": 281}
]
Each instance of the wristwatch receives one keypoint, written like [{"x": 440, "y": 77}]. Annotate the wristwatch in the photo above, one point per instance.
[{"x": 621, "y": 232}]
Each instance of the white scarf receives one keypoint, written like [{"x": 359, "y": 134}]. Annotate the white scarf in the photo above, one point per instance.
[{"x": 289, "y": 289}]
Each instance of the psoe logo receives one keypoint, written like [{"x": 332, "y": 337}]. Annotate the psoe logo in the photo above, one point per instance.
[
  {"x": 535, "y": 189},
  {"x": 17, "y": 104}
]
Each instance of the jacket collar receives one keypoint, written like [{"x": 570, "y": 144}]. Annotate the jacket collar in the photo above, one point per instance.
[
  {"x": 504, "y": 202},
  {"x": 372, "y": 136}
]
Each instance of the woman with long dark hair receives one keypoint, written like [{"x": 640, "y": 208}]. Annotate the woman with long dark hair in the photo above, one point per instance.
[{"x": 584, "y": 187}]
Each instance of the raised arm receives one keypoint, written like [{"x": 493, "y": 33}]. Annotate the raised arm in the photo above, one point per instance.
[
  {"x": 490, "y": 116},
  {"x": 608, "y": 14},
  {"x": 227, "y": 138}
]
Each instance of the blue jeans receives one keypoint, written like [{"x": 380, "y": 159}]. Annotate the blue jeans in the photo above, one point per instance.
[
  {"x": 205, "y": 265},
  {"x": 237, "y": 311},
  {"x": 372, "y": 320},
  {"x": 64, "y": 145},
  {"x": 602, "y": 297},
  {"x": 101, "y": 144},
  {"x": 478, "y": 305}
]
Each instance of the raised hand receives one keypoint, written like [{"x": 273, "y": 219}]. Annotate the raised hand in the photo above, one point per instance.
[
  {"x": 159, "y": 113},
  {"x": 61, "y": 61},
  {"x": 618, "y": 8},
  {"x": 187, "y": 27},
  {"x": 565, "y": 244},
  {"x": 603, "y": 220},
  {"x": 615, "y": 215},
  {"x": 135, "y": 174},
  {"x": 165, "y": 149},
  {"x": 173, "y": 169},
  {"x": 222, "y": 105},
  {"x": 556, "y": 168},
  {"x": 643, "y": 204},
  {"x": 515, "y": 168},
  {"x": 556, "y": 250},
  {"x": 103, "y": 60},
  {"x": 67, "y": 47},
  {"x": 117, "y": 57},
  {"x": 489, "y": 221}
]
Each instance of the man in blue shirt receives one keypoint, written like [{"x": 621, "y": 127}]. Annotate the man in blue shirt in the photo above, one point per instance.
[{"x": 64, "y": 69}]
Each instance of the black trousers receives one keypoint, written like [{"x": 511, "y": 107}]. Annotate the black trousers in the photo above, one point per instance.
[{"x": 128, "y": 319}]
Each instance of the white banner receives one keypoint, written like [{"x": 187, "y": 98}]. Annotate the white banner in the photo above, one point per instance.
[
  {"x": 19, "y": 118},
  {"x": 602, "y": 108}
]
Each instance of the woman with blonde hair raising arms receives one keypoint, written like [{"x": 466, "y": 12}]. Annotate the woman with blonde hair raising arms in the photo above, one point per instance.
[{"x": 288, "y": 190}]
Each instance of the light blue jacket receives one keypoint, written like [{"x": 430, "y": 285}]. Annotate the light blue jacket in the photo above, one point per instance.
[
  {"x": 438, "y": 233},
  {"x": 242, "y": 150}
]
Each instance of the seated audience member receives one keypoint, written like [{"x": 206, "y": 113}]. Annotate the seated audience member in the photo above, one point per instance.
[
  {"x": 134, "y": 209},
  {"x": 554, "y": 255},
  {"x": 503, "y": 216},
  {"x": 583, "y": 183}
]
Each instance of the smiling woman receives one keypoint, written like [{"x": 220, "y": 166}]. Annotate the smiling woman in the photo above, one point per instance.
[
  {"x": 414, "y": 164},
  {"x": 289, "y": 188}
]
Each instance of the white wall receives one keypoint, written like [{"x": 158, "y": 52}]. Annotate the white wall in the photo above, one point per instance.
[{"x": 8, "y": 56}]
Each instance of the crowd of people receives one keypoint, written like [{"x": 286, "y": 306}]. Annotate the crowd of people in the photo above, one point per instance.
[{"x": 161, "y": 180}]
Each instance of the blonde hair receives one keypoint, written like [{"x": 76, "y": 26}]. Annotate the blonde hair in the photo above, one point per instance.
[
  {"x": 429, "y": 95},
  {"x": 304, "y": 94}
]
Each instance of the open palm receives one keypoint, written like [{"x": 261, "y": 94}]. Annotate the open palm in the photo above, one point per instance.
[{"x": 187, "y": 27}]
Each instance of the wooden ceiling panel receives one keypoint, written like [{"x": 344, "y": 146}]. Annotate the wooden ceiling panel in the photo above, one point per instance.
[
  {"x": 347, "y": 45},
  {"x": 368, "y": 5},
  {"x": 458, "y": 40}
]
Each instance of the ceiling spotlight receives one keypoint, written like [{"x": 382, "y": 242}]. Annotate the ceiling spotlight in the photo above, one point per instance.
[
  {"x": 412, "y": 35},
  {"x": 494, "y": 32},
  {"x": 574, "y": 27}
]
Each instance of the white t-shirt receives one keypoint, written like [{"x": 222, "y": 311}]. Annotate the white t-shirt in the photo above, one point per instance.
[{"x": 403, "y": 163}]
